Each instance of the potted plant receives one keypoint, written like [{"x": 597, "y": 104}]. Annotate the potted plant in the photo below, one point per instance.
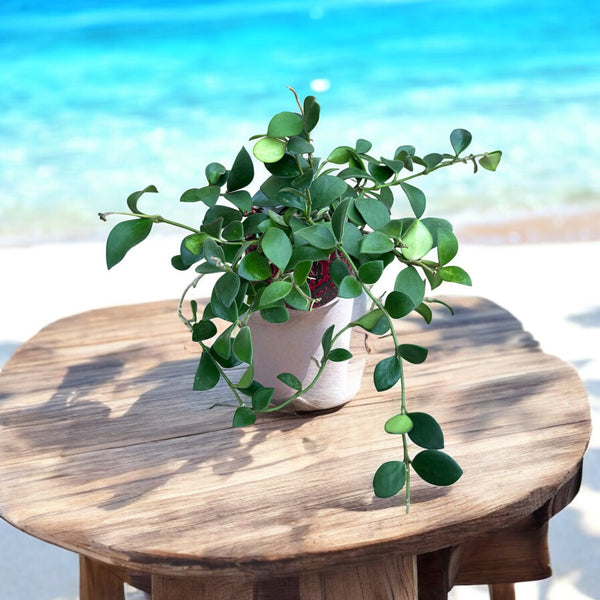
[{"x": 315, "y": 233}]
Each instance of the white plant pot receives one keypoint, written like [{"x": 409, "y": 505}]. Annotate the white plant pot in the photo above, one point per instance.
[{"x": 291, "y": 346}]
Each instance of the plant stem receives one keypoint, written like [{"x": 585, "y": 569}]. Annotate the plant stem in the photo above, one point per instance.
[{"x": 154, "y": 218}]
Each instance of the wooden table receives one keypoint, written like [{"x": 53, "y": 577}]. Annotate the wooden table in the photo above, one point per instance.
[{"x": 106, "y": 451}]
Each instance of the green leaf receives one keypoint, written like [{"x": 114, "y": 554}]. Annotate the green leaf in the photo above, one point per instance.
[
  {"x": 222, "y": 345},
  {"x": 203, "y": 330},
  {"x": 212, "y": 252},
  {"x": 242, "y": 345},
  {"x": 425, "y": 312},
  {"x": 207, "y": 374},
  {"x": 213, "y": 228},
  {"x": 491, "y": 160},
  {"x": 297, "y": 300},
  {"x": 123, "y": 237},
  {"x": 339, "y": 218},
  {"x": 426, "y": 431},
  {"x": 455, "y": 275},
  {"x": 262, "y": 398},
  {"x": 194, "y": 243},
  {"x": 376, "y": 243},
  {"x": 341, "y": 155},
  {"x": 285, "y": 124},
  {"x": 227, "y": 287},
  {"x": 277, "y": 247},
  {"x": 243, "y": 416},
  {"x": 312, "y": 111},
  {"x": 242, "y": 171},
  {"x": 301, "y": 271},
  {"x": 436, "y": 467},
  {"x": 215, "y": 174},
  {"x": 274, "y": 292},
  {"x": 387, "y": 373},
  {"x": 132, "y": 199},
  {"x": 413, "y": 353},
  {"x": 254, "y": 267},
  {"x": 275, "y": 314},
  {"x": 240, "y": 199},
  {"x": 318, "y": 236},
  {"x": 209, "y": 195},
  {"x": 233, "y": 232},
  {"x": 398, "y": 424},
  {"x": 417, "y": 241},
  {"x": 338, "y": 269},
  {"x": 290, "y": 380},
  {"x": 460, "y": 140},
  {"x": 433, "y": 160},
  {"x": 398, "y": 304},
  {"x": 300, "y": 145},
  {"x": 339, "y": 355},
  {"x": 410, "y": 282},
  {"x": 247, "y": 378},
  {"x": 363, "y": 146},
  {"x": 447, "y": 245},
  {"x": 349, "y": 288},
  {"x": 369, "y": 320},
  {"x": 372, "y": 211},
  {"x": 371, "y": 271},
  {"x": 416, "y": 198},
  {"x": 326, "y": 339},
  {"x": 389, "y": 479},
  {"x": 286, "y": 166},
  {"x": 269, "y": 149},
  {"x": 325, "y": 189}
]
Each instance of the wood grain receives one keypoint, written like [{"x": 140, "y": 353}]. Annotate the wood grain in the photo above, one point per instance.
[{"x": 105, "y": 450}]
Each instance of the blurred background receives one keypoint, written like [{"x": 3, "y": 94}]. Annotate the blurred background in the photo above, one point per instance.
[{"x": 99, "y": 98}]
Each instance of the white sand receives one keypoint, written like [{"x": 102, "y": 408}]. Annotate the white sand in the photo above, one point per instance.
[{"x": 552, "y": 288}]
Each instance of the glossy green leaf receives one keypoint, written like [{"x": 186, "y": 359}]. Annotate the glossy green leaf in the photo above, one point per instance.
[
  {"x": 227, "y": 287},
  {"x": 376, "y": 243},
  {"x": 213, "y": 228},
  {"x": 240, "y": 199},
  {"x": 369, "y": 320},
  {"x": 436, "y": 467},
  {"x": 341, "y": 155},
  {"x": 339, "y": 355},
  {"x": 371, "y": 271},
  {"x": 301, "y": 271},
  {"x": 389, "y": 479},
  {"x": 262, "y": 398},
  {"x": 312, "y": 111},
  {"x": 318, "y": 236},
  {"x": 325, "y": 189},
  {"x": 203, "y": 330},
  {"x": 398, "y": 304},
  {"x": 209, "y": 195},
  {"x": 277, "y": 247},
  {"x": 339, "y": 218},
  {"x": 455, "y": 275},
  {"x": 242, "y": 171},
  {"x": 387, "y": 373},
  {"x": 411, "y": 283},
  {"x": 413, "y": 353},
  {"x": 207, "y": 374},
  {"x": 274, "y": 292},
  {"x": 285, "y": 124},
  {"x": 349, "y": 288},
  {"x": 298, "y": 300},
  {"x": 212, "y": 252},
  {"x": 254, "y": 267},
  {"x": 433, "y": 159},
  {"x": 242, "y": 345},
  {"x": 247, "y": 378},
  {"x": 417, "y": 241},
  {"x": 192, "y": 247},
  {"x": 416, "y": 198},
  {"x": 338, "y": 269},
  {"x": 447, "y": 246},
  {"x": 425, "y": 312},
  {"x": 275, "y": 314},
  {"x": 290, "y": 380},
  {"x": 326, "y": 339},
  {"x": 300, "y": 145},
  {"x": 286, "y": 166},
  {"x": 269, "y": 149},
  {"x": 222, "y": 345},
  {"x": 123, "y": 237},
  {"x": 215, "y": 173},
  {"x": 460, "y": 140},
  {"x": 426, "y": 431},
  {"x": 372, "y": 211},
  {"x": 132, "y": 199},
  {"x": 233, "y": 232},
  {"x": 243, "y": 416},
  {"x": 491, "y": 160},
  {"x": 398, "y": 424}
]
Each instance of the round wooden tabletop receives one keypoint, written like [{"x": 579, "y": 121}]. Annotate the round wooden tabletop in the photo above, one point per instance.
[{"x": 105, "y": 450}]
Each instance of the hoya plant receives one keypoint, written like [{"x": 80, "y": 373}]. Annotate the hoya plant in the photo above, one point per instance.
[{"x": 265, "y": 246}]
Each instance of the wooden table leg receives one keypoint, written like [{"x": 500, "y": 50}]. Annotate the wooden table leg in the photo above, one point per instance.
[
  {"x": 98, "y": 582},
  {"x": 502, "y": 591}
]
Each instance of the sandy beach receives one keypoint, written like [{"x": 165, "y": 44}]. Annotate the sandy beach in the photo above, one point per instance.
[{"x": 541, "y": 269}]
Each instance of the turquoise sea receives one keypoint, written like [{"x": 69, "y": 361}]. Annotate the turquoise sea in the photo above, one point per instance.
[{"x": 101, "y": 98}]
